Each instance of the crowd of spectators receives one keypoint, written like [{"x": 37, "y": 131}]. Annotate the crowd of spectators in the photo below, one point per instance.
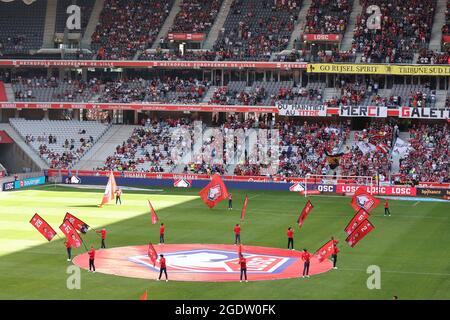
[
  {"x": 328, "y": 16},
  {"x": 375, "y": 159},
  {"x": 128, "y": 26},
  {"x": 404, "y": 29},
  {"x": 196, "y": 16},
  {"x": 429, "y": 158},
  {"x": 432, "y": 57},
  {"x": 324, "y": 56},
  {"x": 188, "y": 55},
  {"x": 256, "y": 29}
]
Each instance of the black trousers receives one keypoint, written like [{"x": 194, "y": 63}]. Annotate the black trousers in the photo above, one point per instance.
[
  {"x": 118, "y": 199},
  {"x": 230, "y": 204},
  {"x": 237, "y": 238},
  {"x": 103, "y": 243},
  {"x": 161, "y": 272},
  {"x": 306, "y": 268},
  {"x": 69, "y": 252},
  {"x": 334, "y": 257},
  {"x": 91, "y": 264},
  {"x": 244, "y": 272},
  {"x": 290, "y": 243},
  {"x": 386, "y": 211},
  {"x": 161, "y": 238}
]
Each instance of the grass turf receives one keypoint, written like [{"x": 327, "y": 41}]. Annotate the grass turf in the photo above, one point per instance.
[{"x": 410, "y": 247}]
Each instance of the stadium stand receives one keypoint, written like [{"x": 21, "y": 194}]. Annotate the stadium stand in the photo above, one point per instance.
[
  {"x": 255, "y": 29},
  {"x": 3, "y": 96},
  {"x": 128, "y": 26},
  {"x": 60, "y": 143},
  {"x": 19, "y": 36},
  {"x": 328, "y": 16}
]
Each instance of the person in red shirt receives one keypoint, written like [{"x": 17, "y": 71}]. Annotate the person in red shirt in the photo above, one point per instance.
[
  {"x": 290, "y": 235},
  {"x": 103, "y": 234},
  {"x": 163, "y": 267},
  {"x": 335, "y": 252},
  {"x": 306, "y": 257},
  {"x": 230, "y": 202},
  {"x": 161, "y": 233},
  {"x": 91, "y": 254},
  {"x": 243, "y": 264},
  {"x": 118, "y": 195},
  {"x": 69, "y": 249},
  {"x": 237, "y": 234},
  {"x": 386, "y": 208}
]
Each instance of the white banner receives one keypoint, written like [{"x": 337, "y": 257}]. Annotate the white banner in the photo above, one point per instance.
[
  {"x": 300, "y": 110},
  {"x": 366, "y": 147},
  {"x": 401, "y": 147},
  {"x": 363, "y": 111},
  {"x": 424, "y": 113}
]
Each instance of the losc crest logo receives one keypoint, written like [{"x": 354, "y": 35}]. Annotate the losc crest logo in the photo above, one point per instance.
[
  {"x": 297, "y": 187},
  {"x": 217, "y": 261},
  {"x": 364, "y": 202},
  {"x": 182, "y": 183},
  {"x": 215, "y": 192}
]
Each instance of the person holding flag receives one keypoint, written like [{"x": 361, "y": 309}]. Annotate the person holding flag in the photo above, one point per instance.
[
  {"x": 335, "y": 251},
  {"x": 103, "y": 235},
  {"x": 306, "y": 257},
  {"x": 118, "y": 195},
  {"x": 237, "y": 234},
  {"x": 162, "y": 230},
  {"x": 230, "y": 202},
  {"x": 69, "y": 249},
  {"x": 163, "y": 267},
  {"x": 91, "y": 254},
  {"x": 243, "y": 264},
  {"x": 290, "y": 235},
  {"x": 387, "y": 212}
]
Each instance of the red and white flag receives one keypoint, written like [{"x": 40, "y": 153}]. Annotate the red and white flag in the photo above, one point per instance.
[
  {"x": 152, "y": 254},
  {"x": 152, "y": 211},
  {"x": 110, "y": 189},
  {"x": 43, "y": 227},
  {"x": 214, "y": 192},
  {"x": 71, "y": 233},
  {"x": 326, "y": 250},
  {"x": 363, "y": 199},
  {"x": 360, "y": 232},
  {"x": 382, "y": 147},
  {"x": 359, "y": 217},
  {"x": 306, "y": 210},
  {"x": 244, "y": 208},
  {"x": 77, "y": 223}
]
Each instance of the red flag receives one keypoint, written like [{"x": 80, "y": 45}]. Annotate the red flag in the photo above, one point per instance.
[
  {"x": 244, "y": 208},
  {"x": 154, "y": 216},
  {"x": 77, "y": 223},
  {"x": 214, "y": 192},
  {"x": 43, "y": 227},
  {"x": 110, "y": 189},
  {"x": 306, "y": 210},
  {"x": 325, "y": 251},
  {"x": 144, "y": 296},
  {"x": 360, "y": 232},
  {"x": 359, "y": 217},
  {"x": 152, "y": 254},
  {"x": 70, "y": 232},
  {"x": 363, "y": 199}
]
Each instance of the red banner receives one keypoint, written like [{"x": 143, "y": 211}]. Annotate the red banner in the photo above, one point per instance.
[
  {"x": 186, "y": 36},
  {"x": 152, "y": 254},
  {"x": 152, "y": 211},
  {"x": 359, "y": 217},
  {"x": 77, "y": 223},
  {"x": 5, "y": 138},
  {"x": 71, "y": 233},
  {"x": 322, "y": 37},
  {"x": 360, "y": 232},
  {"x": 244, "y": 208},
  {"x": 325, "y": 251},
  {"x": 214, "y": 192},
  {"x": 43, "y": 227},
  {"x": 155, "y": 64},
  {"x": 306, "y": 210}
]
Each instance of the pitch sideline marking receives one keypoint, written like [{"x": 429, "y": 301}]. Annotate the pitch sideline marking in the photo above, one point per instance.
[{"x": 403, "y": 272}]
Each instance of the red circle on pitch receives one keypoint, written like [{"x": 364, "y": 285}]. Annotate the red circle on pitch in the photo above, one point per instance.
[{"x": 202, "y": 262}]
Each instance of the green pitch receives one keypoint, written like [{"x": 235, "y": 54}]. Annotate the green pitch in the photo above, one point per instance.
[{"x": 411, "y": 247}]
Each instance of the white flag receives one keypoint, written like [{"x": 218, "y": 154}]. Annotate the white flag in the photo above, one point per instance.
[
  {"x": 402, "y": 148},
  {"x": 366, "y": 147}
]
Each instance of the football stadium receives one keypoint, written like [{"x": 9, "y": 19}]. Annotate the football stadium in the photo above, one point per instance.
[{"x": 227, "y": 150}]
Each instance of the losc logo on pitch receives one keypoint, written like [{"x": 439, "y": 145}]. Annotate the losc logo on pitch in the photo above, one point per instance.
[
  {"x": 217, "y": 261},
  {"x": 214, "y": 193}
]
